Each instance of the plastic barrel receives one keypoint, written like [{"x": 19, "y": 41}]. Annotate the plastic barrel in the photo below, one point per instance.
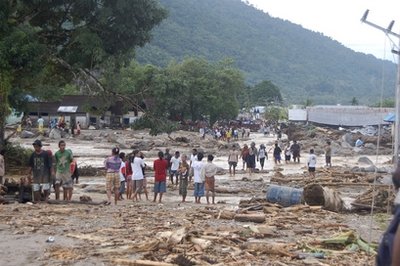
[{"x": 285, "y": 196}]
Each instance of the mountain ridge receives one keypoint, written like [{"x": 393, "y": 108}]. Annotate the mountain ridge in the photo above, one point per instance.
[{"x": 304, "y": 64}]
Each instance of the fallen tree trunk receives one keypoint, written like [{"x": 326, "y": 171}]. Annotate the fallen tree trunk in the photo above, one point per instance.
[
  {"x": 317, "y": 195},
  {"x": 250, "y": 217}
]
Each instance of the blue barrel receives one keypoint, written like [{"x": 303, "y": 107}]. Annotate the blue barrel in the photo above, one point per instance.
[{"x": 285, "y": 196}]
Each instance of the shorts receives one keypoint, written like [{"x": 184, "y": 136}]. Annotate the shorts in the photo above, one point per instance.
[
  {"x": 287, "y": 157},
  {"x": 328, "y": 159},
  {"x": 234, "y": 164},
  {"x": 210, "y": 183},
  {"x": 65, "y": 179},
  {"x": 112, "y": 180},
  {"x": 37, "y": 186},
  {"x": 278, "y": 157},
  {"x": 311, "y": 169},
  {"x": 138, "y": 186},
  {"x": 160, "y": 187},
  {"x": 173, "y": 173},
  {"x": 198, "y": 189},
  {"x": 296, "y": 154}
]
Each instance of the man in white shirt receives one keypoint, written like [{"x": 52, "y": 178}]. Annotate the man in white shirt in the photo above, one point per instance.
[
  {"x": 174, "y": 163},
  {"x": 137, "y": 165},
  {"x": 198, "y": 177},
  {"x": 311, "y": 163},
  {"x": 193, "y": 158}
]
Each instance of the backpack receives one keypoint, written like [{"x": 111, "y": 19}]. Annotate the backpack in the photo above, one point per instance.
[{"x": 385, "y": 251}]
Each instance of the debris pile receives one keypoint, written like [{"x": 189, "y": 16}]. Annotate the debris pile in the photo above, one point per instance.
[{"x": 382, "y": 197}]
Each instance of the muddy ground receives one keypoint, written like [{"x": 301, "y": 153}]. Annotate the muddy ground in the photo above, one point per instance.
[{"x": 147, "y": 233}]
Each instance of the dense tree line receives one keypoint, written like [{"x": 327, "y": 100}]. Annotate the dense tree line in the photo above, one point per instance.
[{"x": 45, "y": 45}]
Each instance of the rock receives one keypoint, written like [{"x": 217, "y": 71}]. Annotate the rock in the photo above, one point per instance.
[
  {"x": 369, "y": 169},
  {"x": 220, "y": 171},
  {"x": 88, "y": 137},
  {"x": 348, "y": 138},
  {"x": 104, "y": 134},
  {"x": 182, "y": 139},
  {"x": 92, "y": 128},
  {"x": 27, "y": 134},
  {"x": 370, "y": 146},
  {"x": 55, "y": 134},
  {"x": 345, "y": 145},
  {"x": 365, "y": 160},
  {"x": 85, "y": 198}
]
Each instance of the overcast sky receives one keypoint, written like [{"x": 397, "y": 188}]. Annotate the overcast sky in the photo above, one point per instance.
[{"x": 340, "y": 20}]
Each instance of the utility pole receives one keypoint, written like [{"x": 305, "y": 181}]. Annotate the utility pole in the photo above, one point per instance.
[{"x": 396, "y": 127}]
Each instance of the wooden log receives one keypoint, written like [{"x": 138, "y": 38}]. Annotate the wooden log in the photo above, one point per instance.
[
  {"x": 250, "y": 217},
  {"x": 267, "y": 248},
  {"x": 226, "y": 215},
  {"x": 317, "y": 195},
  {"x": 64, "y": 202},
  {"x": 140, "y": 262},
  {"x": 203, "y": 243}
]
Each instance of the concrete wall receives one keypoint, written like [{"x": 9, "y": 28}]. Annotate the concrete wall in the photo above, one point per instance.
[
  {"x": 347, "y": 115},
  {"x": 297, "y": 115}
]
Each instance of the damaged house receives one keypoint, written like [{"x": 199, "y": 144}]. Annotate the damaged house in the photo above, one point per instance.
[{"x": 87, "y": 110}]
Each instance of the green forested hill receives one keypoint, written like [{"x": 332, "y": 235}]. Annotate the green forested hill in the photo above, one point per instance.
[{"x": 302, "y": 63}]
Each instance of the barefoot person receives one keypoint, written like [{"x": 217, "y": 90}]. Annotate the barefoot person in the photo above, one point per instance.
[
  {"x": 137, "y": 164},
  {"x": 210, "y": 170},
  {"x": 233, "y": 159},
  {"x": 160, "y": 167},
  {"x": 64, "y": 159},
  {"x": 328, "y": 154},
  {"x": 174, "y": 166},
  {"x": 112, "y": 165},
  {"x": 198, "y": 178},
  {"x": 40, "y": 170},
  {"x": 183, "y": 177},
  {"x": 311, "y": 163}
]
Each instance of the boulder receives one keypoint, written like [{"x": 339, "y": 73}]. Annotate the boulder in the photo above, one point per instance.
[
  {"x": 55, "y": 134},
  {"x": 27, "y": 134},
  {"x": 365, "y": 160}
]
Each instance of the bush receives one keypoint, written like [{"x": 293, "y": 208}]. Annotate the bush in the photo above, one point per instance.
[{"x": 15, "y": 155}]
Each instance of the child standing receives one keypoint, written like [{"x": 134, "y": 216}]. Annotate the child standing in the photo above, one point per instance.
[
  {"x": 288, "y": 154},
  {"x": 183, "y": 177},
  {"x": 122, "y": 176},
  {"x": 262, "y": 155}
]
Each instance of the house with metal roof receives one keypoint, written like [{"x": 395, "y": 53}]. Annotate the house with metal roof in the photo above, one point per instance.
[{"x": 87, "y": 110}]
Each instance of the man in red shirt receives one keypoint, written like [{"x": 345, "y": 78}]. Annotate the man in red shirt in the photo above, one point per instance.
[{"x": 160, "y": 167}]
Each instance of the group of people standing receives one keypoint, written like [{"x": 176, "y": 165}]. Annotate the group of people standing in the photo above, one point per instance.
[
  {"x": 251, "y": 155},
  {"x": 128, "y": 172},
  {"x": 45, "y": 170}
]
